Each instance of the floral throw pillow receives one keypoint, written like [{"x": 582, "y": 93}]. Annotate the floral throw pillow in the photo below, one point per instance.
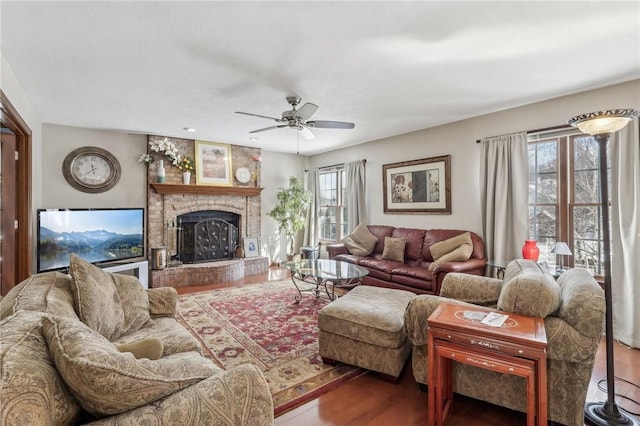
[{"x": 394, "y": 249}]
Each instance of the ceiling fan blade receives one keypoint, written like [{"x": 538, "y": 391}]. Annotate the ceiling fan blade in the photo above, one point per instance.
[
  {"x": 306, "y": 133},
  {"x": 323, "y": 124},
  {"x": 258, "y": 115},
  {"x": 306, "y": 110},
  {"x": 268, "y": 128}
]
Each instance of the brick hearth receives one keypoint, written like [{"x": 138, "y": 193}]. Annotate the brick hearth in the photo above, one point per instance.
[{"x": 209, "y": 273}]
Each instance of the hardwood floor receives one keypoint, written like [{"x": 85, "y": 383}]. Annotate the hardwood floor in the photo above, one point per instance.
[{"x": 367, "y": 400}]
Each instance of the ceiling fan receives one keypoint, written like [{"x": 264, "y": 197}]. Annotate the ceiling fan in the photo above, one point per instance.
[{"x": 297, "y": 119}]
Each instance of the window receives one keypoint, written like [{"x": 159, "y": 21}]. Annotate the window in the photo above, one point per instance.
[
  {"x": 564, "y": 198},
  {"x": 333, "y": 214}
]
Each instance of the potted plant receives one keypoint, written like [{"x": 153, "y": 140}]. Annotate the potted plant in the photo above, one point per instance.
[{"x": 290, "y": 210}]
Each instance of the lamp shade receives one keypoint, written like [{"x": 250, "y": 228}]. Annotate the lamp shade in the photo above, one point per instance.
[
  {"x": 561, "y": 249},
  {"x": 601, "y": 122}
]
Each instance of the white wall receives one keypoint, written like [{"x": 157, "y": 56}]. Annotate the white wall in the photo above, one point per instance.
[
  {"x": 58, "y": 141},
  {"x": 459, "y": 140}
]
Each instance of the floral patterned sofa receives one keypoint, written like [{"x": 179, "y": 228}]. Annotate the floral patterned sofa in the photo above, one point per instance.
[
  {"x": 98, "y": 348},
  {"x": 573, "y": 310}
]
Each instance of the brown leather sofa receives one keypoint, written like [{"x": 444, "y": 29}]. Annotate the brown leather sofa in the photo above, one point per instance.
[{"x": 413, "y": 274}]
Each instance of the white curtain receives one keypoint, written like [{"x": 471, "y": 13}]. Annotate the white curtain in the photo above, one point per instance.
[
  {"x": 625, "y": 219},
  {"x": 355, "y": 200},
  {"x": 311, "y": 231},
  {"x": 504, "y": 181}
]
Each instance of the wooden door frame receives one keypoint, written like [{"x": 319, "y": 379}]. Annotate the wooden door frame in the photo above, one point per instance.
[{"x": 12, "y": 119}]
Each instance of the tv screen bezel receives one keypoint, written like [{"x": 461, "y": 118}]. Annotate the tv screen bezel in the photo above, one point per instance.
[{"x": 97, "y": 263}]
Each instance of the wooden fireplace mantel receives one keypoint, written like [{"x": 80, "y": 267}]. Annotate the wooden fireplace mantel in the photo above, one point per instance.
[{"x": 170, "y": 188}]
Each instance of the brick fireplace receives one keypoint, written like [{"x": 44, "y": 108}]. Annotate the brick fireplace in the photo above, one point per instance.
[{"x": 169, "y": 203}]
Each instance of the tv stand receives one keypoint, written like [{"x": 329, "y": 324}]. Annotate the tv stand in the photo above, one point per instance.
[{"x": 140, "y": 270}]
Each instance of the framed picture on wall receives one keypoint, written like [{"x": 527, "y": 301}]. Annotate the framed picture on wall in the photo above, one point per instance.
[
  {"x": 418, "y": 186},
  {"x": 251, "y": 247},
  {"x": 213, "y": 163}
]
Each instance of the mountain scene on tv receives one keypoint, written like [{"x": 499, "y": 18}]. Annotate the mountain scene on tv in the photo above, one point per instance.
[{"x": 92, "y": 246}]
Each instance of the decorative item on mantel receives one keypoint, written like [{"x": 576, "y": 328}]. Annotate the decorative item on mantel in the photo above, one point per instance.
[
  {"x": 161, "y": 172},
  {"x": 257, "y": 159},
  {"x": 187, "y": 165},
  {"x": 161, "y": 150},
  {"x": 530, "y": 250}
]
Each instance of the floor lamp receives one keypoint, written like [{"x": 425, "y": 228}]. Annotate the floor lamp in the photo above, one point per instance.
[{"x": 601, "y": 125}]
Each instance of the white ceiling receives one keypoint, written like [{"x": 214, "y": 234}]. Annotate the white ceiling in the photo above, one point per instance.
[{"x": 389, "y": 67}]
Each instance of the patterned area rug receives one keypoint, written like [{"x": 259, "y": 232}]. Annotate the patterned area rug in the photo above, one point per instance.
[{"x": 260, "y": 324}]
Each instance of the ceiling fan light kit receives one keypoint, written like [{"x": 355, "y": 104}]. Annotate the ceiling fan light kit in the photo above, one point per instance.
[{"x": 296, "y": 119}]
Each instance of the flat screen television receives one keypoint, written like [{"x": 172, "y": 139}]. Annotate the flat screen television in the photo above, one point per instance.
[{"x": 99, "y": 236}]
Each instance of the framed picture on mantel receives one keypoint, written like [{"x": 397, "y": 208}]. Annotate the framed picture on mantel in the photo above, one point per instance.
[
  {"x": 213, "y": 164},
  {"x": 418, "y": 186}
]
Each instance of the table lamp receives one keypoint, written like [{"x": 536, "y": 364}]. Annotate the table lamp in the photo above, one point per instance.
[{"x": 561, "y": 249}]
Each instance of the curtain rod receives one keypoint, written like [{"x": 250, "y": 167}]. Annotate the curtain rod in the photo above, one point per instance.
[
  {"x": 364, "y": 161},
  {"x": 545, "y": 129}
]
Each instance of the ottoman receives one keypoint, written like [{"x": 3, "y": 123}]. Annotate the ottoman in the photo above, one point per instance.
[{"x": 365, "y": 328}]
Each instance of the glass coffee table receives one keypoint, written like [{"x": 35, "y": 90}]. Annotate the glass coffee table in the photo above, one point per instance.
[{"x": 322, "y": 276}]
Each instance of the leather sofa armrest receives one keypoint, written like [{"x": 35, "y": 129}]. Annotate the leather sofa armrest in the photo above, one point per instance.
[
  {"x": 475, "y": 289},
  {"x": 473, "y": 266},
  {"x": 238, "y": 396},
  {"x": 335, "y": 249},
  {"x": 163, "y": 301}
]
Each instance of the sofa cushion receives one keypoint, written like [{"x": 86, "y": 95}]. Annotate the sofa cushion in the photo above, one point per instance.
[
  {"x": 360, "y": 242},
  {"x": 532, "y": 291},
  {"x": 106, "y": 381},
  {"x": 48, "y": 292},
  {"x": 368, "y": 314},
  {"x": 381, "y": 232},
  {"x": 150, "y": 348},
  {"x": 433, "y": 236},
  {"x": 455, "y": 249},
  {"x": 415, "y": 241},
  {"x": 110, "y": 304},
  {"x": 412, "y": 271},
  {"x": 394, "y": 249},
  {"x": 32, "y": 391},
  {"x": 413, "y": 284},
  {"x": 350, "y": 258}
]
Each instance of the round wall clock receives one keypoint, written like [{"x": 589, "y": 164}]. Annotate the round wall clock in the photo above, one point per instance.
[
  {"x": 91, "y": 169},
  {"x": 243, "y": 174}
]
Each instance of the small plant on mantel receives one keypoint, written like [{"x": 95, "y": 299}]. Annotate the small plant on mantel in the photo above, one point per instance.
[
  {"x": 186, "y": 164},
  {"x": 290, "y": 210}
]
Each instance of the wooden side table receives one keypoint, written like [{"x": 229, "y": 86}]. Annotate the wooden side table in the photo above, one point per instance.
[{"x": 516, "y": 347}]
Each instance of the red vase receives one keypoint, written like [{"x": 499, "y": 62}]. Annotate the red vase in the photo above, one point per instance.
[{"x": 530, "y": 250}]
